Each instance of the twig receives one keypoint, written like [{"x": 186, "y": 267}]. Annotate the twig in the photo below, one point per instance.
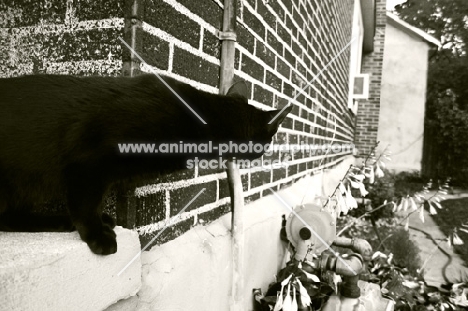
[
  {"x": 363, "y": 215},
  {"x": 337, "y": 186},
  {"x": 371, "y": 152}
]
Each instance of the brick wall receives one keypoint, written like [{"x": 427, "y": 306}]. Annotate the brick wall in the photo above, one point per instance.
[
  {"x": 282, "y": 44},
  {"x": 367, "y": 119},
  {"x": 66, "y": 37}
]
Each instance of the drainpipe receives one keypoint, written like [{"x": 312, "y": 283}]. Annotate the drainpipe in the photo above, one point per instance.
[{"x": 228, "y": 38}]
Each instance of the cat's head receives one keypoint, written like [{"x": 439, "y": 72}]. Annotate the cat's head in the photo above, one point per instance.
[{"x": 252, "y": 127}]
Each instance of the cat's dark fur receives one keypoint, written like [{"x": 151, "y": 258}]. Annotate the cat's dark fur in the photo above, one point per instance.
[{"x": 59, "y": 138}]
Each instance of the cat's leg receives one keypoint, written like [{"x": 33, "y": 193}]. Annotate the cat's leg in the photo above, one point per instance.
[
  {"x": 108, "y": 220},
  {"x": 84, "y": 203}
]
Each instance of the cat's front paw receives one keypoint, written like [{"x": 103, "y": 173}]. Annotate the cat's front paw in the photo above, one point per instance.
[{"x": 104, "y": 242}]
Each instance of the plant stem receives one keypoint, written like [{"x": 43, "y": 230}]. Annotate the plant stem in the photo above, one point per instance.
[
  {"x": 363, "y": 215},
  {"x": 337, "y": 186},
  {"x": 371, "y": 152},
  {"x": 374, "y": 226}
]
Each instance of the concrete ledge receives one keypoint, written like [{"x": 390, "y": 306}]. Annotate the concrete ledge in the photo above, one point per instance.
[{"x": 57, "y": 271}]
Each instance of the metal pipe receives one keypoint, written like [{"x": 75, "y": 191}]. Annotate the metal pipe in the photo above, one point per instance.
[
  {"x": 349, "y": 268},
  {"x": 235, "y": 184},
  {"x": 360, "y": 246}
]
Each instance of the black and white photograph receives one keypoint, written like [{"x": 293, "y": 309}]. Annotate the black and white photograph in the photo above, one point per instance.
[{"x": 233, "y": 155}]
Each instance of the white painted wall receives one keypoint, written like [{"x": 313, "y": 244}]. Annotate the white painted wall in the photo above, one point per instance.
[
  {"x": 57, "y": 271},
  {"x": 403, "y": 97},
  {"x": 193, "y": 271}
]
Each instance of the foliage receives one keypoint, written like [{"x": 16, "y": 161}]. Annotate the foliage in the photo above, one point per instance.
[
  {"x": 391, "y": 187},
  {"x": 354, "y": 182},
  {"x": 407, "y": 183},
  {"x": 447, "y": 96},
  {"x": 453, "y": 218},
  {"x": 405, "y": 251},
  {"x": 411, "y": 293}
]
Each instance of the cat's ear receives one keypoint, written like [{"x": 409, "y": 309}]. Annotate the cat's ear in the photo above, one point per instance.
[
  {"x": 276, "y": 117},
  {"x": 239, "y": 89}
]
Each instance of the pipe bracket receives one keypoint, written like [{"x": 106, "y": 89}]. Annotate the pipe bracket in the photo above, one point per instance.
[{"x": 227, "y": 36}]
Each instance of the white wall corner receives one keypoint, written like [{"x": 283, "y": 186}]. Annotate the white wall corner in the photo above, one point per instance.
[{"x": 57, "y": 271}]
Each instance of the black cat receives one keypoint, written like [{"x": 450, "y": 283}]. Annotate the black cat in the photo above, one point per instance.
[{"x": 59, "y": 138}]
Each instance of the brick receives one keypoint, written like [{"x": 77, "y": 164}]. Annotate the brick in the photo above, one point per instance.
[
  {"x": 237, "y": 59},
  {"x": 251, "y": 2},
  {"x": 285, "y": 185},
  {"x": 281, "y": 138},
  {"x": 95, "y": 10},
  {"x": 295, "y": 12},
  {"x": 150, "y": 209},
  {"x": 209, "y": 171},
  {"x": 253, "y": 22},
  {"x": 223, "y": 188},
  {"x": 274, "y": 43},
  {"x": 179, "y": 198},
  {"x": 168, "y": 234},
  {"x": 194, "y": 67},
  {"x": 292, "y": 138},
  {"x": 295, "y": 110},
  {"x": 290, "y": 58},
  {"x": 301, "y": 69},
  {"x": 279, "y": 174},
  {"x": 155, "y": 51},
  {"x": 208, "y": 10},
  {"x": 251, "y": 198},
  {"x": 93, "y": 44},
  {"x": 281, "y": 102},
  {"x": 269, "y": 158},
  {"x": 214, "y": 214},
  {"x": 283, "y": 68},
  {"x": 289, "y": 24},
  {"x": 175, "y": 176},
  {"x": 278, "y": 9},
  {"x": 293, "y": 169},
  {"x": 288, "y": 89},
  {"x": 252, "y": 68},
  {"x": 32, "y": 12},
  {"x": 161, "y": 15},
  {"x": 211, "y": 44},
  {"x": 283, "y": 33},
  {"x": 245, "y": 38},
  {"x": 263, "y": 96},
  {"x": 298, "y": 125},
  {"x": 259, "y": 178},
  {"x": 245, "y": 182},
  {"x": 272, "y": 80},
  {"x": 288, "y": 4},
  {"x": 269, "y": 18},
  {"x": 265, "y": 54},
  {"x": 287, "y": 123}
]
